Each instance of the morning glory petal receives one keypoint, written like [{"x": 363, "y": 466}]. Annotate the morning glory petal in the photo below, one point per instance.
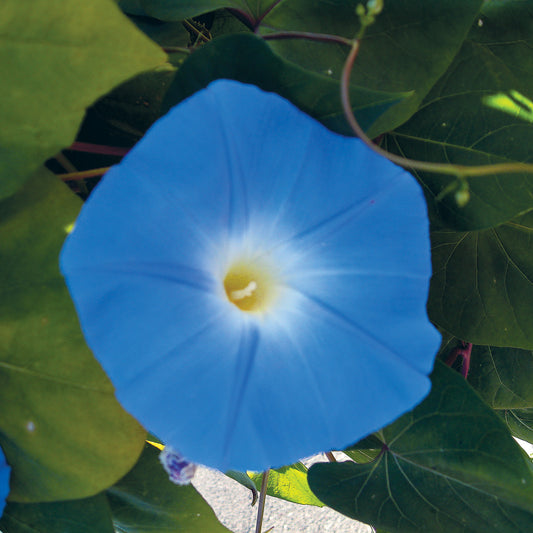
[
  {"x": 356, "y": 388},
  {"x": 5, "y": 472},
  {"x": 254, "y": 284}
]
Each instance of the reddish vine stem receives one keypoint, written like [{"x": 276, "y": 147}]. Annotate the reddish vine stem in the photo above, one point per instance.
[
  {"x": 442, "y": 168},
  {"x": 103, "y": 149},
  {"x": 319, "y": 37},
  {"x": 465, "y": 351}
]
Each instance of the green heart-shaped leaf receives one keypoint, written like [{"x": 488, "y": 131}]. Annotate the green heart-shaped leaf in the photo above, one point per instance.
[
  {"x": 482, "y": 285},
  {"x": 248, "y": 59},
  {"x": 407, "y": 49},
  {"x": 502, "y": 376},
  {"x": 57, "y": 58},
  {"x": 480, "y": 113},
  {"x": 288, "y": 483},
  {"x": 62, "y": 430},
  {"x": 143, "y": 501},
  {"x": 449, "y": 466}
]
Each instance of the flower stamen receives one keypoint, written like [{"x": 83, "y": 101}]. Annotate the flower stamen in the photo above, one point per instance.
[{"x": 243, "y": 293}]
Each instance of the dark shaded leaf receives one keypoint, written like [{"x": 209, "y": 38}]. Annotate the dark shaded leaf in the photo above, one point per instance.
[
  {"x": 477, "y": 115},
  {"x": 90, "y": 515},
  {"x": 165, "y": 34},
  {"x": 502, "y": 376},
  {"x": 172, "y": 10},
  {"x": 520, "y": 422},
  {"x": 365, "y": 450},
  {"x": 248, "y": 59},
  {"x": 407, "y": 49},
  {"x": 482, "y": 285},
  {"x": 451, "y": 466},
  {"x": 134, "y": 106}
]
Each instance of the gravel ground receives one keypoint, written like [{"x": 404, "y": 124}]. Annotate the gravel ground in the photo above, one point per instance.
[{"x": 231, "y": 503}]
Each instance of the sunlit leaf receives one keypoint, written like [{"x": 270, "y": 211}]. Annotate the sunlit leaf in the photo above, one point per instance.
[
  {"x": 62, "y": 430},
  {"x": 57, "y": 58},
  {"x": 513, "y": 103},
  {"x": 365, "y": 450},
  {"x": 450, "y": 466},
  {"x": 482, "y": 285},
  {"x": 288, "y": 483},
  {"x": 145, "y": 501}
]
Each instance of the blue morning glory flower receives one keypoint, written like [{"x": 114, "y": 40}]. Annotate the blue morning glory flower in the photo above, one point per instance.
[
  {"x": 4, "y": 481},
  {"x": 253, "y": 284}
]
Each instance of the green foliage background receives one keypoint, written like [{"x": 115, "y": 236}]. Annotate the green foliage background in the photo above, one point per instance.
[{"x": 445, "y": 81}]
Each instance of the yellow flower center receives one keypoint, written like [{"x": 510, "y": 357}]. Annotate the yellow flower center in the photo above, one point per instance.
[{"x": 250, "y": 286}]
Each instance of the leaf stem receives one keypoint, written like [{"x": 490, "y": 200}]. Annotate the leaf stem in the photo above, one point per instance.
[
  {"x": 465, "y": 351},
  {"x": 266, "y": 12},
  {"x": 319, "y": 37},
  {"x": 65, "y": 162},
  {"x": 176, "y": 49},
  {"x": 331, "y": 457},
  {"x": 75, "y": 176},
  {"x": 262, "y": 498},
  {"x": 440, "y": 168}
]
